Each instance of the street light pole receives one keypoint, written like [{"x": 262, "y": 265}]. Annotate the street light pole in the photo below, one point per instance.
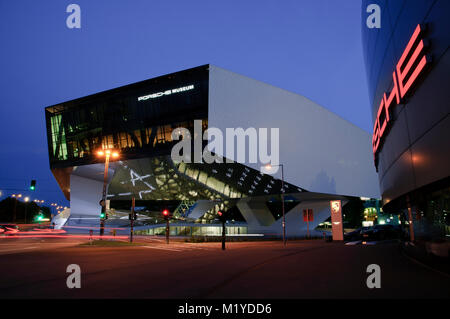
[
  {"x": 107, "y": 153},
  {"x": 26, "y": 199},
  {"x": 269, "y": 167},
  {"x": 105, "y": 180},
  {"x": 15, "y": 209},
  {"x": 282, "y": 205},
  {"x": 16, "y": 197}
]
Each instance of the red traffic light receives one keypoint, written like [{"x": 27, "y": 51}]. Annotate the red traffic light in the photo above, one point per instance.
[
  {"x": 165, "y": 212},
  {"x": 219, "y": 213}
]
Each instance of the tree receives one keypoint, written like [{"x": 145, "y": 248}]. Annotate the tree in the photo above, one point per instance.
[
  {"x": 354, "y": 212},
  {"x": 8, "y": 205}
]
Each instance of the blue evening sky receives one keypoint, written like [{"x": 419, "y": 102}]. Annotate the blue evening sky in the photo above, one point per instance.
[{"x": 311, "y": 47}]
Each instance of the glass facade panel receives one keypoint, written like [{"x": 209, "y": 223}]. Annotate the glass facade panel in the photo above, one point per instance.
[{"x": 136, "y": 119}]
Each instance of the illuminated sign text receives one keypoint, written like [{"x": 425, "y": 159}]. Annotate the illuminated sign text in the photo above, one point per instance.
[
  {"x": 409, "y": 67},
  {"x": 167, "y": 92}
]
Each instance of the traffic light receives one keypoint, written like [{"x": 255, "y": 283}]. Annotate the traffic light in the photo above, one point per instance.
[
  {"x": 166, "y": 213},
  {"x": 222, "y": 217},
  {"x": 33, "y": 185},
  {"x": 102, "y": 215}
]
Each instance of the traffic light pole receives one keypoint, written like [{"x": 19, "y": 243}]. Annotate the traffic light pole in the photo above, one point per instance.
[
  {"x": 167, "y": 230},
  {"x": 223, "y": 234},
  {"x": 105, "y": 180},
  {"x": 132, "y": 219}
]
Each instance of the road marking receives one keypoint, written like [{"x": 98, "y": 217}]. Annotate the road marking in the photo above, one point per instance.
[
  {"x": 171, "y": 249},
  {"x": 181, "y": 247},
  {"x": 350, "y": 243}
]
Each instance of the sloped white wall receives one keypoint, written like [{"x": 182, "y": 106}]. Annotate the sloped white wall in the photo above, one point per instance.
[
  {"x": 86, "y": 188},
  {"x": 321, "y": 152},
  {"x": 295, "y": 226}
]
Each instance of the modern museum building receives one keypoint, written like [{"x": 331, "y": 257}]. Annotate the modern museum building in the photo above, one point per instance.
[{"x": 315, "y": 156}]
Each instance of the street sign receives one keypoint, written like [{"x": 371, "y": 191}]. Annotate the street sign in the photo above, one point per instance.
[
  {"x": 308, "y": 215},
  {"x": 337, "y": 228}
]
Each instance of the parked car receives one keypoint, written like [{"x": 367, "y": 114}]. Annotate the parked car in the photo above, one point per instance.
[
  {"x": 382, "y": 232},
  {"x": 356, "y": 234}
]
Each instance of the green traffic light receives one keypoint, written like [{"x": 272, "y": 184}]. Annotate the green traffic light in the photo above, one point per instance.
[
  {"x": 33, "y": 185},
  {"x": 102, "y": 215}
]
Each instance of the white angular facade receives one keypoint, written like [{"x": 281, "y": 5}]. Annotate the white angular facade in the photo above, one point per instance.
[{"x": 324, "y": 158}]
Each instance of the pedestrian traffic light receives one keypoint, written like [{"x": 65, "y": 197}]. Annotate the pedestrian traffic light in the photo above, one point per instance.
[{"x": 33, "y": 185}]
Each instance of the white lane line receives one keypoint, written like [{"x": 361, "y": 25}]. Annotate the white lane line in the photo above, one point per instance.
[
  {"x": 350, "y": 243},
  {"x": 186, "y": 247},
  {"x": 161, "y": 248}
]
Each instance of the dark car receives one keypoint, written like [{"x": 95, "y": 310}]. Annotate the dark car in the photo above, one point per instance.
[
  {"x": 382, "y": 232},
  {"x": 356, "y": 234}
]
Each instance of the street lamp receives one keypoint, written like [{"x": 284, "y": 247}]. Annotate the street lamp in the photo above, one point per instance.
[
  {"x": 26, "y": 199},
  {"x": 15, "y": 205},
  {"x": 268, "y": 168},
  {"x": 107, "y": 154}
]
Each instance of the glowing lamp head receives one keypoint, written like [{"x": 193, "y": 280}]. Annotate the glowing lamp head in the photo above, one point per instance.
[
  {"x": 268, "y": 167},
  {"x": 219, "y": 213},
  {"x": 165, "y": 213},
  {"x": 100, "y": 153},
  {"x": 115, "y": 154}
]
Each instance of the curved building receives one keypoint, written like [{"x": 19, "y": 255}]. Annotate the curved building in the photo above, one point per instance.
[
  {"x": 324, "y": 157},
  {"x": 408, "y": 73}
]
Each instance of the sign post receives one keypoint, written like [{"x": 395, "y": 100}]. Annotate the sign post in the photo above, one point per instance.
[
  {"x": 308, "y": 216},
  {"x": 336, "y": 220}
]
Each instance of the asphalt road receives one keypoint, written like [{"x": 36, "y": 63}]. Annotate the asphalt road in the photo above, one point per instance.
[{"x": 304, "y": 269}]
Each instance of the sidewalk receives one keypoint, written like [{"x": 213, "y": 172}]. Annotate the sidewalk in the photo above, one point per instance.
[{"x": 420, "y": 252}]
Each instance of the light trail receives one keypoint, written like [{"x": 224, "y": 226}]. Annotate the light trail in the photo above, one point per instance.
[{"x": 69, "y": 236}]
